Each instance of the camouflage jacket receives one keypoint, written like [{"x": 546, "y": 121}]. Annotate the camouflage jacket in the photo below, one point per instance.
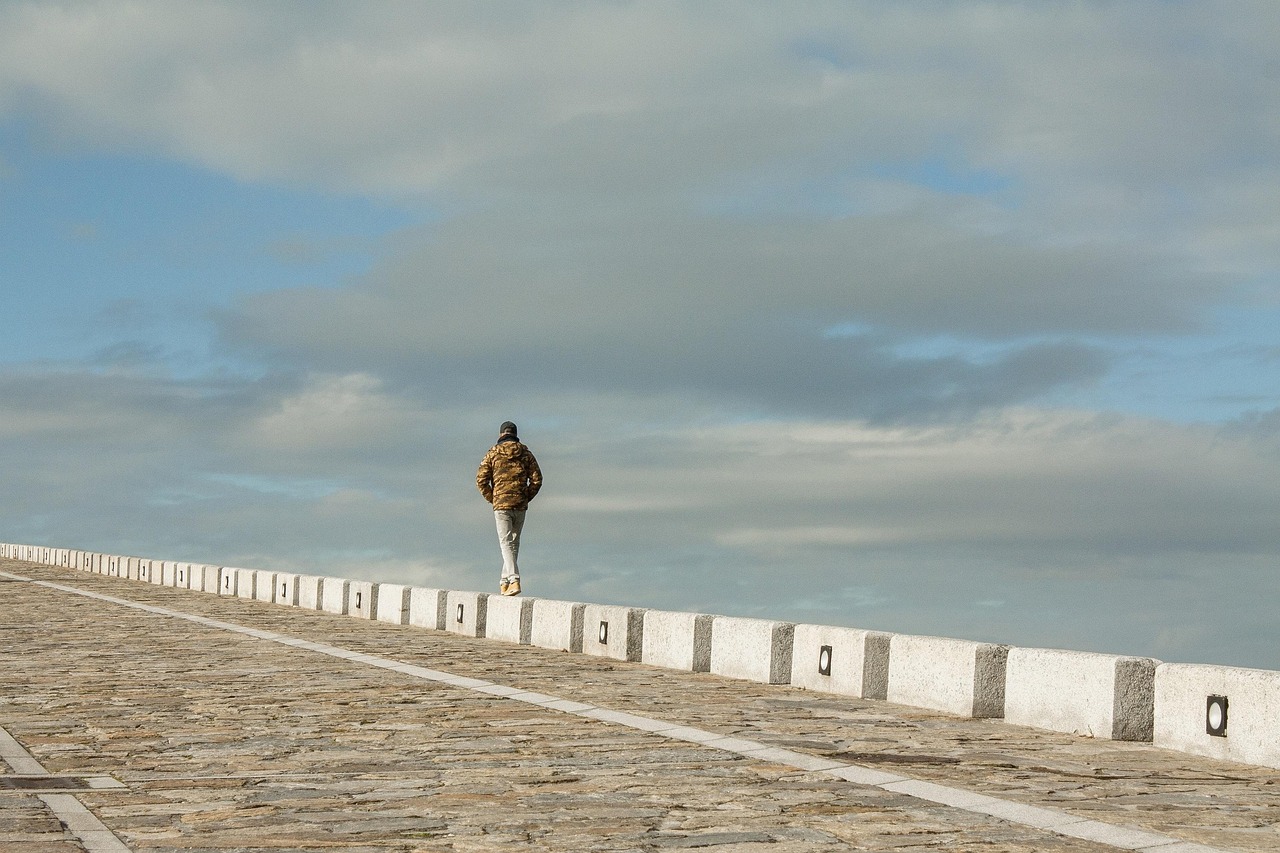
[{"x": 509, "y": 476}]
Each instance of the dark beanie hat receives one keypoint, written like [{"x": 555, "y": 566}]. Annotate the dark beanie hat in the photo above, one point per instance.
[{"x": 507, "y": 428}]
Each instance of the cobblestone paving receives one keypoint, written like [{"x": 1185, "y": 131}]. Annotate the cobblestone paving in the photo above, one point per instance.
[{"x": 230, "y": 743}]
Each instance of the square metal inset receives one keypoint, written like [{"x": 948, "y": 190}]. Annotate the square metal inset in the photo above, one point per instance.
[
  {"x": 824, "y": 660},
  {"x": 1215, "y": 716}
]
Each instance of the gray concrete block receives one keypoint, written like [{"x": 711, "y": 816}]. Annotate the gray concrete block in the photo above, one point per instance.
[
  {"x": 557, "y": 625},
  {"x": 613, "y": 632},
  {"x": 1133, "y": 717},
  {"x": 677, "y": 640}
]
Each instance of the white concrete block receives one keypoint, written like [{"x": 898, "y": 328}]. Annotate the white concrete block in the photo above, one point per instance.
[
  {"x": 466, "y": 612},
  {"x": 1252, "y": 720},
  {"x": 148, "y": 570},
  {"x": 428, "y": 608},
  {"x": 752, "y": 649},
  {"x": 677, "y": 640},
  {"x": 334, "y": 596},
  {"x": 557, "y": 625},
  {"x": 956, "y": 676},
  {"x": 393, "y": 604},
  {"x": 362, "y": 600},
  {"x": 228, "y": 581},
  {"x": 174, "y": 574},
  {"x": 1083, "y": 693},
  {"x": 848, "y": 661},
  {"x": 613, "y": 632},
  {"x": 246, "y": 583},
  {"x": 509, "y": 618},
  {"x": 310, "y": 592},
  {"x": 208, "y": 576},
  {"x": 264, "y": 586},
  {"x": 286, "y": 587}
]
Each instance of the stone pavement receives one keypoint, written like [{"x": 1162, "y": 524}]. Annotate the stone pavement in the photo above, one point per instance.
[{"x": 214, "y": 724}]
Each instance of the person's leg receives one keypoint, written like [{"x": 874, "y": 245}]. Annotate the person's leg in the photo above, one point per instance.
[{"x": 510, "y": 522}]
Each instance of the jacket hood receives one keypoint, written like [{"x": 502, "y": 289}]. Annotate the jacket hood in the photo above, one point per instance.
[{"x": 508, "y": 449}]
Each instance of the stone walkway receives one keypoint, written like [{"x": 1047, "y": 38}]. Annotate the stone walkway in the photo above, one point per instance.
[{"x": 212, "y": 724}]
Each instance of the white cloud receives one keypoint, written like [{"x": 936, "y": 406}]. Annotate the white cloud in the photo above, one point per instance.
[
  {"x": 645, "y": 219},
  {"x": 332, "y": 413}
]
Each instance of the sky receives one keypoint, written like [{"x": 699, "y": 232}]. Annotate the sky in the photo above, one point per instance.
[{"x": 947, "y": 318}]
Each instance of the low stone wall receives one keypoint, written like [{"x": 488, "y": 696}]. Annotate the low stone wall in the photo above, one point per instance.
[
  {"x": 1219, "y": 712},
  {"x": 1081, "y": 693}
]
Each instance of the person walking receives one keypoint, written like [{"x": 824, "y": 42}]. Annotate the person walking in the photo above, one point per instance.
[{"x": 509, "y": 477}]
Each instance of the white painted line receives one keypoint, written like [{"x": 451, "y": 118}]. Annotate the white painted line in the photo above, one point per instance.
[
  {"x": 737, "y": 744},
  {"x": 865, "y": 776},
  {"x": 689, "y": 733},
  {"x": 1116, "y": 836},
  {"x": 81, "y": 823},
  {"x": 935, "y": 793},
  {"x": 569, "y": 706},
  {"x": 1049, "y": 819},
  {"x": 22, "y": 762},
  {"x": 631, "y": 721},
  {"x": 99, "y": 783},
  {"x": 798, "y": 760},
  {"x": 1022, "y": 813}
]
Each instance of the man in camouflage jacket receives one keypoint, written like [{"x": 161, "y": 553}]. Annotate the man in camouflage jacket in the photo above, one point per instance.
[{"x": 509, "y": 477}]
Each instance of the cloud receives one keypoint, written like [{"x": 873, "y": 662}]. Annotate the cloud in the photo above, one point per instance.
[
  {"x": 1091, "y": 529},
  {"x": 778, "y": 295},
  {"x": 701, "y": 197}
]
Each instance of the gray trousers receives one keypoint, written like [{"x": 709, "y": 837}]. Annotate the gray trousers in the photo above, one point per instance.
[{"x": 510, "y": 522}]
